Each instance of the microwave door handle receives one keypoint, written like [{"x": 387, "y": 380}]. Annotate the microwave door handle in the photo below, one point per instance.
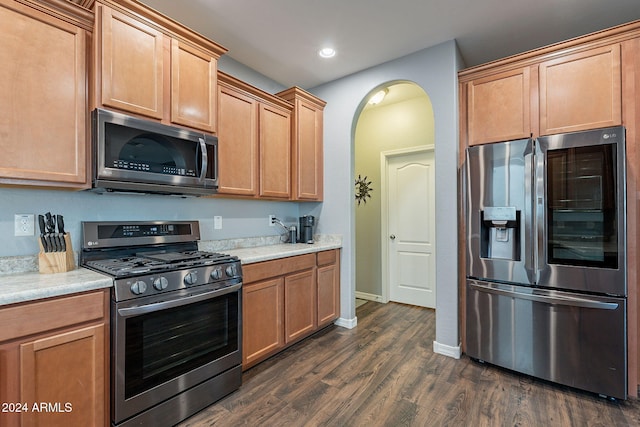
[{"x": 205, "y": 160}]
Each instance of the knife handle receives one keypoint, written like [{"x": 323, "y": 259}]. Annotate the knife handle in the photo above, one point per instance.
[
  {"x": 60, "y": 221},
  {"x": 43, "y": 239}
]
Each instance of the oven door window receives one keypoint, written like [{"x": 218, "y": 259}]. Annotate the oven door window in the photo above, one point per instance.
[{"x": 163, "y": 345}]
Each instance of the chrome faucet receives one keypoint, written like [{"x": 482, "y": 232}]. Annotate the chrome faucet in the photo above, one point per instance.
[{"x": 292, "y": 232}]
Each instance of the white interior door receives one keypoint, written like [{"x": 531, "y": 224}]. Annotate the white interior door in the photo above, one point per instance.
[{"x": 411, "y": 228}]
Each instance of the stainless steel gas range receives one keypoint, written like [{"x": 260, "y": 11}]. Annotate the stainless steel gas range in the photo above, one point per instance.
[{"x": 176, "y": 328}]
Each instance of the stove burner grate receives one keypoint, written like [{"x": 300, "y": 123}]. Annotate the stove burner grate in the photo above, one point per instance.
[{"x": 156, "y": 261}]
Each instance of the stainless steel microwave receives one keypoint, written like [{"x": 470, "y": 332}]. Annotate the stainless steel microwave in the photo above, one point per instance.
[{"x": 143, "y": 156}]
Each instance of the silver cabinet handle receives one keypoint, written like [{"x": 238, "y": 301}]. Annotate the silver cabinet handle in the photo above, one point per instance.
[{"x": 392, "y": 237}]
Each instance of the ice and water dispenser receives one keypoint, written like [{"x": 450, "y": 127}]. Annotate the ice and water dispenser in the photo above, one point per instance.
[{"x": 500, "y": 231}]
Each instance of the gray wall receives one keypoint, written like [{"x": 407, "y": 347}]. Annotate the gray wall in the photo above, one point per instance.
[{"x": 435, "y": 70}]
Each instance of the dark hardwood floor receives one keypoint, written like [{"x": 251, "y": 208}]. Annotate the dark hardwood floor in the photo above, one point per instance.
[{"x": 385, "y": 373}]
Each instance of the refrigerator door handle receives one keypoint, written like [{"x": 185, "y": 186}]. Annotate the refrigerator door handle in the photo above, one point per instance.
[
  {"x": 538, "y": 195},
  {"x": 529, "y": 214},
  {"x": 549, "y": 297}
]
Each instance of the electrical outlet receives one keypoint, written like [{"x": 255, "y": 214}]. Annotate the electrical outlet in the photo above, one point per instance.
[
  {"x": 217, "y": 222},
  {"x": 24, "y": 225},
  {"x": 271, "y": 218}
]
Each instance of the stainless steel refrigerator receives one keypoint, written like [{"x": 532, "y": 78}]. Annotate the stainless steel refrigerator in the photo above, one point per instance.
[{"x": 546, "y": 264}]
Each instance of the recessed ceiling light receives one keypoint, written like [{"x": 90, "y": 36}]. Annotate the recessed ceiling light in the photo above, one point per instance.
[{"x": 327, "y": 52}]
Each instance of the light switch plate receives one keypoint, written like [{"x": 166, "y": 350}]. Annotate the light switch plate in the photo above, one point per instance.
[
  {"x": 24, "y": 225},
  {"x": 217, "y": 222}
]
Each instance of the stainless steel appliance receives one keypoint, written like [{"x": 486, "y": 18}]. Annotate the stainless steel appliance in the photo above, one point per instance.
[
  {"x": 176, "y": 328},
  {"x": 307, "y": 222},
  {"x": 136, "y": 155},
  {"x": 546, "y": 259}
]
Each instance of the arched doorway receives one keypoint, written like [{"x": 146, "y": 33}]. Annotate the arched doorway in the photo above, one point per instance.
[{"x": 402, "y": 122}]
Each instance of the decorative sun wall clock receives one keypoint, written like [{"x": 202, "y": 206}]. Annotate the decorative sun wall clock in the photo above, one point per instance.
[{"x": 363, "y": 189}]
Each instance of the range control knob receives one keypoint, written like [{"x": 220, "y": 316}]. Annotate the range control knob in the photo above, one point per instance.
[
  {"x": 231, "y": 270},
  {"x": 216, "y": 274},
  {"x": 191, "y": 278},
  {"x": 139, "y": 287},
  {"x": 161, "y": 283}
]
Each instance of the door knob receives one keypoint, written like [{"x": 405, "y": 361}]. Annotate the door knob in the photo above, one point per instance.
[{"x": 392, "y": 237}]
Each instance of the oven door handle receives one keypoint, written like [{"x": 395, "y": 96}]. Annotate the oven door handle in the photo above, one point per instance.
[{"x": 150, "y": 308}]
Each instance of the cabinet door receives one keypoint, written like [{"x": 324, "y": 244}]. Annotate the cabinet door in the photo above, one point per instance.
[
  {"x": 132, "y": 65},
  {"x": 300, "y": 305},
  {"x": 328, "y": 288},
  {"x": 499, "y": 107},
  {"x": 43, "y": 98},
  {"x": 238, "y": 142},
  {"x": 275, "y": 152},
  {"x": 262, "y": 320},
  {"x": 307, "y": 155},
  {"x": 65, "y": 372},
  {"x": 193, "y": 87},
  {"x": 581, "y": 91}
]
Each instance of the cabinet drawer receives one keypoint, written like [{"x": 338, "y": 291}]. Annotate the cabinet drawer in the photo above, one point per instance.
[
  {"x": 39, "y": 317},
  {"x": 277, "y": 267},
  {"x": 327, "y": 257}
]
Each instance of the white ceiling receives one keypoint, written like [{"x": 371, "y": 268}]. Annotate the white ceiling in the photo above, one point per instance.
[{"x": 280, "y": 38}]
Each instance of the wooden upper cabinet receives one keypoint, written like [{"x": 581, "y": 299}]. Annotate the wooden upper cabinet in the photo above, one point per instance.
[
  {"x": 581, "y": 91},
  {"x": 498, "y": 107},
  {"x": 43, "y": 98},
  {"x": 132, "y": 64},
  {"x": 237, "y": 142},
  {"x": 193, "y": 87},
  {"x": 254, "y": 141},
  {"x": 275, "y": 152},
  {"x": 152, "y": 66},
  {"x": 307, "y": 144}
]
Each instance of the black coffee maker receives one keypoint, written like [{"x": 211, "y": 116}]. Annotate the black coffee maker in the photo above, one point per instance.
[{"x": 306, "y": 229}]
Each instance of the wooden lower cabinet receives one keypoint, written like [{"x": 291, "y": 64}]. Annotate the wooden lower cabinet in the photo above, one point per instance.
[
  {"x": 300, "y": 305},
  {"x": 286, "y": 300},
  {"x": 54, "y": 362},
  {"x": 328, "y": 287},
  {"x": 262, "y": 320}
]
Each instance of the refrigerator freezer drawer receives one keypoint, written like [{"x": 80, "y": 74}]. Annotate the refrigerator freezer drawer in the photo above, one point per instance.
[{"x": 571, "y": 339}]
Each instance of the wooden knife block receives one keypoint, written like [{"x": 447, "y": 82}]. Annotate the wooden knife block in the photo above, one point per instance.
[{"x": 57, "y": 262}]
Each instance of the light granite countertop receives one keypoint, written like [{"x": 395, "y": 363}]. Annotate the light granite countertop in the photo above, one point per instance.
[
  {"x": 18, "y": 283},
  {"x": 267, "y": 253},
  {"x": 32, "y": 286}
]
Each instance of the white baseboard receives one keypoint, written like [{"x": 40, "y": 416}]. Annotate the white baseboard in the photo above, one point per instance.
[
  {"x": 369, "y": 297},
  {"x": 447, "y": 350},
  {"x": 347, "y": 323}
]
